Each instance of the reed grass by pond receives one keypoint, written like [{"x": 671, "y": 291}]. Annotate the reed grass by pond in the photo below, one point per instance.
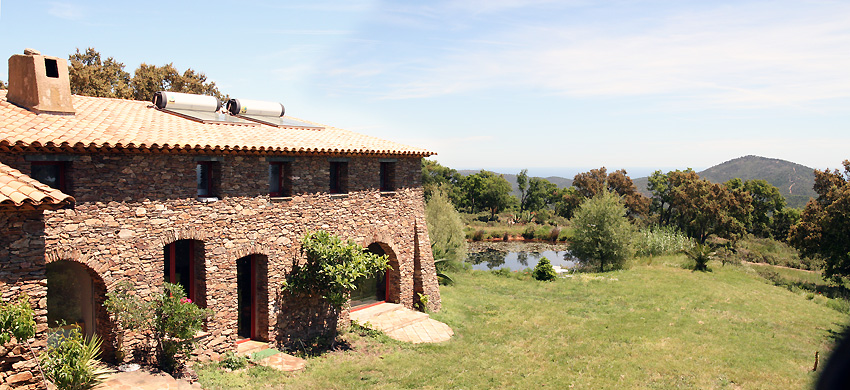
[{"x": 649, "y": 327}]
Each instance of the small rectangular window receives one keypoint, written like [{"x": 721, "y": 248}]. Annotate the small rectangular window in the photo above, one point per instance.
[
  {"x": 338, "y": 177},
  {"x": 280, "y": 178},
  {"x": 387, "y": 176},
  {"x": 204, "y": 172},
  {"x": 51, "y": 173}
]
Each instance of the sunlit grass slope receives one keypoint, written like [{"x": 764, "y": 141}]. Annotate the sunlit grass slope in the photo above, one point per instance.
[{"x": 650, "y": 327}]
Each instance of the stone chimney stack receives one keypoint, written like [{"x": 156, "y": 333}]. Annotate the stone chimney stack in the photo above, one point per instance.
[{"x": 39, "y": 83}]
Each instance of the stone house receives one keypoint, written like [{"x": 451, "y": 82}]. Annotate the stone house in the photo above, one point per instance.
[{"x": 94, "y": 191}]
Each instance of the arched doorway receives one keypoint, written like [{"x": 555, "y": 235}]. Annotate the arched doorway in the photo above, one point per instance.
[
  {"x": 377, "y": 288},
  {"x": 183, "y": 264},
  {"x": 252, "y": 319},
  {"x": 74, "y": 297}
]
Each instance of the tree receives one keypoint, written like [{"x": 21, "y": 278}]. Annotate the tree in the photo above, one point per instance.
[
  {"x": 149, "y": 79},
  {"x": 567, "y": 201},
  {"x": 522, "y": 186},
  {"x": 701, "y": 208},
  {"x": 91, "y": 76},
  {"x": 661, "y": 197},
  {"x": 767, "y": 202},
  {"x": 593, "y": 182},
  {"x": 2, "y": 84},
  {"x": 825, "y": 223},
  {"x": 486, "y": 191},
  {"x": 782, "y": 222},
  {"x": 436, "y": 176},
  {"x": 603, "y": 233}
]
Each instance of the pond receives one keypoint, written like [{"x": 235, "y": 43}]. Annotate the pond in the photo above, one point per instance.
[{"x": 517, "y": 256}]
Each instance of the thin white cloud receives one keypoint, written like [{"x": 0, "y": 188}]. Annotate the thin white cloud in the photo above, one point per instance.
[
  {"x": 753, "y": 55},
  {"x": 65, "y": 11}
]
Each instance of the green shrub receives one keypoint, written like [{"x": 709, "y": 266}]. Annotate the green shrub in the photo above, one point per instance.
[
  {"x": 528, "y": 233},
  {"x": 332, "y": 267},
  {"x": 602, "y": 233},
  {"x": 70, "y": 361},
  {"x": 232, "y": 361},
  {"x": 660, "y": 241},
  {"x": 175, "y": 323},
  {"x": 504, "y": 272},
  {"x": 479, "y": 235},
  {"x": 542, "y": 232},
  {"x": 16, "y": 320},
  {"x": 700, "y": 254},
  {"x": 543, "y": 270},
  {"x": 128, "y": 311}
]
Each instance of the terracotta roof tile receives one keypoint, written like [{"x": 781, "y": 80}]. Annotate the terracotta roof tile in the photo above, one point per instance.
[
  {"x": 116, "y": 123},
  {"x": 21, "y": 192}
]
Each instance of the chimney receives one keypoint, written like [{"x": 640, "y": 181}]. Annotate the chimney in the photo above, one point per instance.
[{"x": 39, "y": 83}]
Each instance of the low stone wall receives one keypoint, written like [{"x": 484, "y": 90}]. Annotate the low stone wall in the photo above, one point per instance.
[{"x": 18, "y": 368}]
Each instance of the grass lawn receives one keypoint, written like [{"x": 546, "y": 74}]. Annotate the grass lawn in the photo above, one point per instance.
[{"x": 650, "y": 327}]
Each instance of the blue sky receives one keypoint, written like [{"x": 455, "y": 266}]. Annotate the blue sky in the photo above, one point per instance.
[{"x": 553, "y": 86}]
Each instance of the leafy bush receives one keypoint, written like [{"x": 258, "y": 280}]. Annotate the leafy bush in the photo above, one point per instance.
[
  {"x": 554, "y": 234},
  {"x": 543, "y": 270},
  {"x": 504, "y": 272},
  {"x": 769, "y": 251},
  {"x": 660, "y": 241},
  {"x": 70, "y": 361},
  {"x": 332, "y": 267},
  {"x": 175, "y": 323},
  {"x": 232, "y": 361},
  {"x": 16, "y": 320}
]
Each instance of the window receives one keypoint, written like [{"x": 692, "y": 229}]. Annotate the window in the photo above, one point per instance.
[
  {"x": 280, "y": 178},
  {"x": 339, "y": 177},
  {"x": 51, "y": 173},
  {"x": 204, "y": 172},
  {"x": 183, "y": 264},
  {"x": 51, "y": 68},
  {"x": 387, "y": 176}
]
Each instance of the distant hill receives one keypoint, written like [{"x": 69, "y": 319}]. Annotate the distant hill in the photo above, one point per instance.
[
  {"x": 561, "y": 182},
  {"x": 793, "y": 180}
]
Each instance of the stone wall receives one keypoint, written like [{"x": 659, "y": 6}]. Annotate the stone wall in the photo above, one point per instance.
[
  {"x": 22, "y": 271},
  {"x": 130, "y": 206}
]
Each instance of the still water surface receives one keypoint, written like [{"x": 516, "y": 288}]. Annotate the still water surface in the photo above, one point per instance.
[{"x": 517, "y": 261}]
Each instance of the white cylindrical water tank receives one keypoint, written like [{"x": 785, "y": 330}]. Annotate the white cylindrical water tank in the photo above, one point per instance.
[
  {"x": 185, "y": 101},
  {"x": 255, "y": 107}
]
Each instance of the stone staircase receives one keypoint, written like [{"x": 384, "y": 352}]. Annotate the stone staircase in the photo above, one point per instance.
[{"x": 403, "y": 324}]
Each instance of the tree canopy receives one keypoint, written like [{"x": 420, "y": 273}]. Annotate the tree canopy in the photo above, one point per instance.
[
  {"x": 92, "y": 76},
  {"x": 824, "y": 225},
  {"x": 591, "y": 183}
]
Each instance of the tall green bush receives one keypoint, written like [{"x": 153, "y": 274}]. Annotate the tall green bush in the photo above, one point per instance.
[
  {"x": 602, "y": 232},
  {"x": 129, "y": 312},
  {"x": 445, "y": 228}
]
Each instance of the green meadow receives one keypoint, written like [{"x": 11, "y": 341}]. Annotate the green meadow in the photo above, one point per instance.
[{"x": 656, "y": 326}]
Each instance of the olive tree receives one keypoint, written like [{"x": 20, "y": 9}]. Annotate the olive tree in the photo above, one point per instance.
[{"x": 603, "y": 233}]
